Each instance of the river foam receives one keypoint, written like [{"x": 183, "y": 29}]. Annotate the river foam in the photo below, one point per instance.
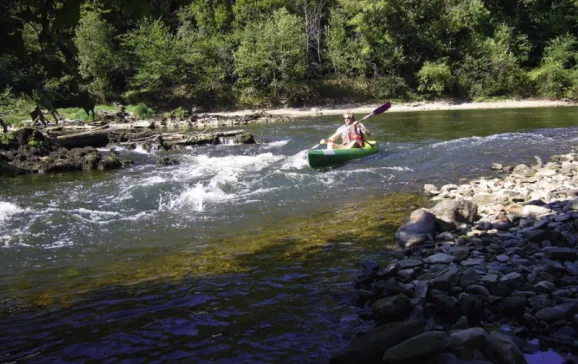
[
  {"x": 8, "y": 209},
  {"x": 217, "y": 179},
  {"x": 478, "y": 141}
]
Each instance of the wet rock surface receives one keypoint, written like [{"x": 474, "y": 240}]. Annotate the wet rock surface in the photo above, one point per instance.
[
  {"x": 29, "y": 150},
  {"x": 498, "y": 270}
]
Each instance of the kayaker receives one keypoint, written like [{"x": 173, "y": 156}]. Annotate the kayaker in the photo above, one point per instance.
[{"x": 352, "y": 134}]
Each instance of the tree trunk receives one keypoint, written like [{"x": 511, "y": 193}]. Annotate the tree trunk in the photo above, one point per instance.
[{"x": 95, "y": 139}]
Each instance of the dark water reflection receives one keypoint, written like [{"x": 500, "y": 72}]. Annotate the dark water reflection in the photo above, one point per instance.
[{"x": 252, "y": 317}]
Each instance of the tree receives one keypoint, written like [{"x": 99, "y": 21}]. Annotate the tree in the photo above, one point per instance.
[
  {"x": 314, "y": 14},
  {"x": 271, "y": 59},
  {"x": 99, "y": 60},
  {"x": 557, "y": 75},
  {"x": 435, "y": 78},
  {"x": 155, "y": 55}
]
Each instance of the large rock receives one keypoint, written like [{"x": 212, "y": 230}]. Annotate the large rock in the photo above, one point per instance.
[
  {"x": 439, "y": 258},
  {"x": 500, "y": 349},
  {"x": 421, "y": 345},
  {"x": 474, "y": 337},
  {"x": 557, "y": 253},
  {"x": 522, "y": 170},
  {"x": 559, "y": 312},
  {"x": 395, "y": 308},
  {"x": 446, "y": 308},
  {"x": 553, "y": 236},
  {"x": 370, "y": 347},
  {"x": 419, "y": 228},
  {"x": 446, "y": 280},
  {"x": 452, "y": 213}
]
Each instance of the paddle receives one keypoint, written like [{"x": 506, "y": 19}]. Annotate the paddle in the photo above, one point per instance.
[{"x": 383, "y": 108}]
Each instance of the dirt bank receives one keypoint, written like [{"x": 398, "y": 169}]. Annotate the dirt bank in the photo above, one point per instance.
[{"x": 402, "y": 107}]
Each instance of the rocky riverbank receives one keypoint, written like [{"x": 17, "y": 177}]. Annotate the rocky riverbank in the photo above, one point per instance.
[{"x": 490, "y": 273}]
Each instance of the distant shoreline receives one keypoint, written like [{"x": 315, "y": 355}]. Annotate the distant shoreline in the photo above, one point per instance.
[{"x": 402, "y": 107}]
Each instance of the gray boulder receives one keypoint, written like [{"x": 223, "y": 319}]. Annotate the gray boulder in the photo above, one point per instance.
[
  {"x": 424, "y": 344},
  {"x": 419, "y": 228},
  {"x": 474, "y": 337},
  {"x": 453, "y": 213},
  {"x": 394, "y": 308},
  {"x": 501, "y": 349},
  {"x": 370, "y": 347}
]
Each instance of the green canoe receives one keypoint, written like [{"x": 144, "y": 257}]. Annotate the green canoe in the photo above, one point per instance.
[{"x": 325, "y": 157}]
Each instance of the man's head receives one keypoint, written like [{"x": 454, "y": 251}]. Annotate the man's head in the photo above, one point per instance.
[{"x": 349, "y": 117}]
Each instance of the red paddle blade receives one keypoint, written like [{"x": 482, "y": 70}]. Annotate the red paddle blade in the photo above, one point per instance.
[{"x": 382, "y": 108}]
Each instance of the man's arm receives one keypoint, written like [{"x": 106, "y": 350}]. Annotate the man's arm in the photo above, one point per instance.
[
  {"x": 363, "y": 129},
  {"x": 332, "y": 138}
]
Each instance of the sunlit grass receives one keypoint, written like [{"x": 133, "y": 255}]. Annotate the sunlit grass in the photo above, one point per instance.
[{"x": 141, "y": 110}]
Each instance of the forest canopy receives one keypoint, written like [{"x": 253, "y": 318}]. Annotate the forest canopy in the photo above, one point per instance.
[{"x": 247, "y": 53}]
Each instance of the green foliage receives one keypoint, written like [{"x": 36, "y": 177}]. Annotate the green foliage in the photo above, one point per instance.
[
  {"x": 15, "y": 108},
  {"x": 74, "y": 113},
  {"x": 155, "y": 55},
  {"x": 435, "y": 78},
  {"x": 33, "y": 143},
  {"x": 217, "y": 53},
  {"x": 492, "y": 66},
  {"x": 345, "y": 50},
  {"x": 141, "y": 110},
  {"x": 180, "y": 112},
  {"x": 6, "y": 138},
  {"x": 388, "y": 87},
  {"x": 99, "y": 61},
  {"x": 557, "y": 76},
  {"x": 469, "y": 15},
  {"x": 209, "y": 16},
  {"x": 210, "y": 65},
  {"x": 271, "y": 59},
  {"x": 247, "y": 11}
]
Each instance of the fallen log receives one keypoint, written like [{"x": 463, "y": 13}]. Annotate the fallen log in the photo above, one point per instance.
[
  {"x": 101, "y": 138},
  {"x": 223, "y": 137},
  {"x": 95, "y": 139}
]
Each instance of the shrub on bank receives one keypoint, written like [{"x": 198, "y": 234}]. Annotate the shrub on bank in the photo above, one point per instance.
[{"x": 141, "y": 110}]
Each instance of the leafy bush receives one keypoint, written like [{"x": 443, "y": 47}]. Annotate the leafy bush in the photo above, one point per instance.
[
  {"x": 344, "y": 49},
  {"x": 155, "y": 55},
  {"x": 141, "y": 110},
  {"x": 15, "y": 109},
  {"x": 492, "y": 66},
  {"x": 180, "y": 112},
  {"x": 557, "y": 75},
  {"x": 435, "y": 78},
  {"x": 99, "y": 60},
  {"x": 388, "y": 87},
  {"x": 32, "y": 142},
  {"x": 271, "y": 59},
  {"x": 6, "y": 138}
]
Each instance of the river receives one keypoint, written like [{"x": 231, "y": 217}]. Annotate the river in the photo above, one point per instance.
[{"x": 240, "y": 253}]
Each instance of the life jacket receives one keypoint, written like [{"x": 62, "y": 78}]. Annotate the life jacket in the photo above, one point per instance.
[{"x": 350, "y": 133}]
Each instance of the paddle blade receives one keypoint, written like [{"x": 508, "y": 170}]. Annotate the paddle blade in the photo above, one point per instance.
[{"x": 382, "y": 108}]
